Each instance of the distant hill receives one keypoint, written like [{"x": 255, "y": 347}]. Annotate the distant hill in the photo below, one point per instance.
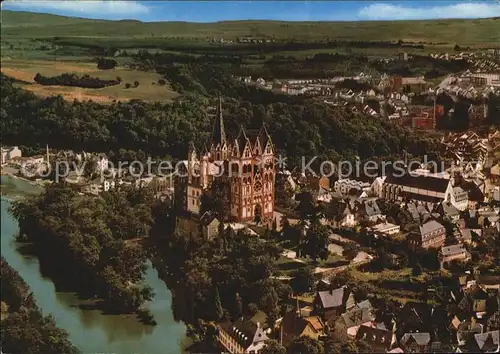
[{"x": 476, "y": 32}]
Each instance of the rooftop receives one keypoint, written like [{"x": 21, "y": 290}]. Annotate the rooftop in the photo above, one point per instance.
[{"x": 425, "y": 182}]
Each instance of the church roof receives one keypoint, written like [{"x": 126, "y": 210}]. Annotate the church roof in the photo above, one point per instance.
[
  {"x": 241, "y": 141},
  {"x": 263, "y": 137},
  {"x": 424, "y": 182}
]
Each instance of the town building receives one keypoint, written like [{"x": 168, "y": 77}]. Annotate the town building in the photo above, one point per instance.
[
  {"x": 448, "y": 210},
  {"x": 426, "y": 117},
  {"x": 454, "y": 252},
  {"x": 419, "y": 186},
  {"x": 488, "y": 342},
  {"x": 346, "y": 326},
  {"x": 246, "y": 163},
  {"x": 483, "y": 79},
  {"x": 495, "y": 173},
  {"x": 379, "y": 338},
  {"x": 244, "y": 335},
  {"x": 386, "y": 228},
  {"x": 209, "y": 225},
  {"x": 8, "y": 153},
  {"x": 460, "y": 198},
  {"x": 294, "y": 325},
  {"x": 415, "y": 342},
  {"x": 344, "y": 186},
  {"x": 332, "y": 303},
  {"x": 431, "y": 234},
  {"x": 367, "y": 209}
]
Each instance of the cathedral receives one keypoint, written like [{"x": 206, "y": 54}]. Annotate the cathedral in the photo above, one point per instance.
[{"x": 248, "y": 164}]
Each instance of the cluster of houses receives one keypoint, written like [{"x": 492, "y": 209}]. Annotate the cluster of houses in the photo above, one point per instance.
[
  {"x": 9, "y": 154},
  {"x": 467, "y": 318},
  {"x": 394, "y": 95},
  {"x": 467, "y": 323},
  {"x": 433, "y": 199},
  {"x": 492, "y": 55},
  {"x": 470, "y": 85},
  {"x": 311, "y": 87},
  {"x": 29, "y": 166}
]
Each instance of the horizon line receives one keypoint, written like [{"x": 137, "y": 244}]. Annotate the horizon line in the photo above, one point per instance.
[{"x": 249, "y": 19}]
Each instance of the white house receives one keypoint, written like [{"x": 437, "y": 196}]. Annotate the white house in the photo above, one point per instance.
[
  {"x": 102, "y": 163},
  {"x": 8, "y": 153},
  {"x": 459, "y": 198},
  {"x": 376, "y": 187},
  {"x": 344, "y": 186},
  {"x": 496, "y": 194},
  {"x": 386, "y": 228}
]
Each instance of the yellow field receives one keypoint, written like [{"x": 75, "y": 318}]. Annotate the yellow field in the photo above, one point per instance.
[{"x": 148, "y": 89}]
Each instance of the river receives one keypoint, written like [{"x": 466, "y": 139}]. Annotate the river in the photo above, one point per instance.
[{"x": 90, "y": 330}]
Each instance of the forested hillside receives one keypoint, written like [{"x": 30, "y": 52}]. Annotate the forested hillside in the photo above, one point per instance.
[{"x": 298, "y": 127}]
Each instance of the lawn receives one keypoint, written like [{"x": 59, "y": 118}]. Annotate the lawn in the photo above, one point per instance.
[
  {"x": 288, "y": 266},
  {"x": 381, "y": 276},
  {"x": 148, "y": 89}
]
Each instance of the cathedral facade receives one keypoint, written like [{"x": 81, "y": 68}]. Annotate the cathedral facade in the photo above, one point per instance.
[{"x": 247, "y": 163}]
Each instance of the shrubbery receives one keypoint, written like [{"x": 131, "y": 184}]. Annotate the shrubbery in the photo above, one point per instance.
[
  {"x": 106, "y": 64},
  {"x": 66, "y": 79}
]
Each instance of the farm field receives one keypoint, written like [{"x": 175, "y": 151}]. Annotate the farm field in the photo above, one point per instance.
[
  {"x": 148, "y": 89},
  {"x": 51, "y": 45}
]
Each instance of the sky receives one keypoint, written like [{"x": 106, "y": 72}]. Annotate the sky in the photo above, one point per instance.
[{"x": 212, "y": 11}]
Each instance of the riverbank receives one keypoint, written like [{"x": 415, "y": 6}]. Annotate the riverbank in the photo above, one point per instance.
[
  {"x": 13, "y": 172},
  {"x": 89, "y": 329}
]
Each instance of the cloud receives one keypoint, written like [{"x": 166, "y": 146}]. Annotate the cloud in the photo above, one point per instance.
[
  {"x": 383, "y": 11},
  {"x": 99, "y": 8}
]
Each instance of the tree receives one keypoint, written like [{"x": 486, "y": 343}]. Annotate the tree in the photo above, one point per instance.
[
  {"x": 456, "y": 48},
  {"x": 316, "y": 243},
  {"x": 417, "y": 269},
  {"x": 350, "y": 250},
  {"x": 220, "y": 191},
  {"x": 273, "y": 347},
  {"x": 305, "y": 345},
  {"x": 303, "y": 280},
  {"x": 92, "y": 246},
  {"x": 258, "y": 214},
  {"x": 219, "y": 311},
  {"x": 106, "y": 64},
  {"x": 127, "y": 85},
  {"x": 493, "y": 110},
  {"x": 307, "y": 205},
  {"x": 238, "y": 305},
  {"x": 284, "y": 191},
  {"x": 136, "y": 83},
  {"x": 382, "y": 259}
]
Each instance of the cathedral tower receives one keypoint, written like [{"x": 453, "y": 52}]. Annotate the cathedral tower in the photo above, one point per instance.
[{"x": 248, "y": 163}]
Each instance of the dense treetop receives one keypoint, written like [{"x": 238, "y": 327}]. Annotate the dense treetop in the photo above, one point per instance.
[
  {"x": 89, "y": 235},
  {"x": 299, "y": 128}
]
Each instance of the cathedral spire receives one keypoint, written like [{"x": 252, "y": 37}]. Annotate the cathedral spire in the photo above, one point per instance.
[{"x": 219, "y": 133}]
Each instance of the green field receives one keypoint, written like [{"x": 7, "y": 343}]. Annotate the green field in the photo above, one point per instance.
[
  {"x": 148, "y": 90},
  {"x": 465, "y": 32},
  {"x": 51, "y": 45}
]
